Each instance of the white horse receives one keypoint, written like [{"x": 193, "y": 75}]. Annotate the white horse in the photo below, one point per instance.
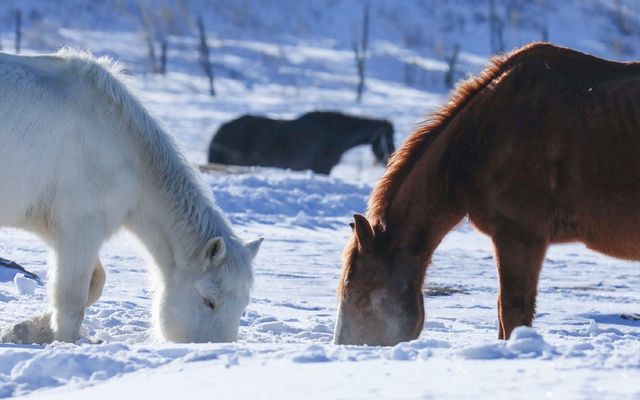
[{"x": 81, "y": 157}]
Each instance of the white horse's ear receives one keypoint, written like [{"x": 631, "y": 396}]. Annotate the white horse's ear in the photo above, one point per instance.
[
  {"x": 253, "y": 247},
  {"x": 214, "y": 251}
]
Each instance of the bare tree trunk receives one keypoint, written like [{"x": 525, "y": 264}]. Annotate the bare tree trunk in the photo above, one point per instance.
[
  {"x": 151, "y": 53},
  {"x": 452, "y": 60},
  {"x": 544, "y": 33},
  {"x": 360, "y": 67},
  {"x": 18, "y": 31},
  {"x": 147, "y": 32},
  {"x": 492, "y": 23},
  {"x": 163, "y": 57},
  {"x": 203, "y": 49},
  {"x": 496, "y": 28},
  {"x": 499, "y": 35},
  {"x": 360, "y": 54}
]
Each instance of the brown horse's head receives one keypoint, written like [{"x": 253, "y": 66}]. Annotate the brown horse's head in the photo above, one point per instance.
[{"x": 380, "y": 304}]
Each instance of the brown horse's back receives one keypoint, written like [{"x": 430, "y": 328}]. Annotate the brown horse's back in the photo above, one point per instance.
[{"x": 555, "y": 146}]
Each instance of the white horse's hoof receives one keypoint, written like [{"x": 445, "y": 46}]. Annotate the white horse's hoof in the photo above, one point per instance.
[{"x": 33, "y": 331}]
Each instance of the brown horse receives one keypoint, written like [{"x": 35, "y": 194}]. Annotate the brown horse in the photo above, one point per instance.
[{"x": 542, "y": 147}]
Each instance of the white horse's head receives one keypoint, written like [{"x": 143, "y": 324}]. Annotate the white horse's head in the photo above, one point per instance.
[{"x": 204, "y": 300}]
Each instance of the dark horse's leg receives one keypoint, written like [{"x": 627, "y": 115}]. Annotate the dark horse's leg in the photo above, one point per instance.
[{"x": 519, "y": 257}]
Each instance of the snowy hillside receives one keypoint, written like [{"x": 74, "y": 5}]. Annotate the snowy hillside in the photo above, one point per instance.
[{"x": 282, "y": 58}]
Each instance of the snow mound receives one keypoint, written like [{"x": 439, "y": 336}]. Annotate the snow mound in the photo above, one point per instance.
[
  {"x": 28, "y": 368},
  {"x": 419, "y": 349},
  {"x": 24, "y": 285},
  {"x": 312, "y": 354},
  {"x": 524, "y": 342}
]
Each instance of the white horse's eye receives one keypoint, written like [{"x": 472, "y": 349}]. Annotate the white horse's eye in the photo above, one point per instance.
[{"x": 209, "y": 304}]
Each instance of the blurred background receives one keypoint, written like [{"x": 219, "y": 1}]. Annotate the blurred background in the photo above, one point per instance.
[{"x": 200, "y": 63}]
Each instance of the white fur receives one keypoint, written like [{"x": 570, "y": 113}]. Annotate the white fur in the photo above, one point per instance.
[{"x": 81, "y": 157}]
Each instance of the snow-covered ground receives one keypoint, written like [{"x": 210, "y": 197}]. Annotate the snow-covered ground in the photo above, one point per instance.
[{"x": 581, "y": 345}]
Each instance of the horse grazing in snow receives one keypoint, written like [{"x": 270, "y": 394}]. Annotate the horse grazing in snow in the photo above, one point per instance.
[
  {"x": 314, "y": 141},
  {"x": 79, "y": 158},
  {"x": 542, "y": 147}
]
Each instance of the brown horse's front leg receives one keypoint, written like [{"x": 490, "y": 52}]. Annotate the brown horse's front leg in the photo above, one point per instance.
[{"x": 519, "y": 259}]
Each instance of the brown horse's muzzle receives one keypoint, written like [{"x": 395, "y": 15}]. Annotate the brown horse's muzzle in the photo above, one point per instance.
[{"x": 354, "y": 327}]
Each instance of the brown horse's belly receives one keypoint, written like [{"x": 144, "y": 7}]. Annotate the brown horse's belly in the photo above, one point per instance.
[
  {"x": 619, "y": 246},
  {"x": 615, "y": 237},
  {"x": 616, "y": 234}
]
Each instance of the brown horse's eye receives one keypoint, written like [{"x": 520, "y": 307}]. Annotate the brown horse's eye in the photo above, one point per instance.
[{"x": 210, "y": 304}]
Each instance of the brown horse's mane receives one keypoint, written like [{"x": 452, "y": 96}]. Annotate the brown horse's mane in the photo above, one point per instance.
[{"x": 403, "y": 160}]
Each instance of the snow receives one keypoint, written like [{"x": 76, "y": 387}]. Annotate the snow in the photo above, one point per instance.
[
  {"x": 524, "y": 343},
  {"x": 24, "y": 285},
  {"x": 283, "y": 61}
]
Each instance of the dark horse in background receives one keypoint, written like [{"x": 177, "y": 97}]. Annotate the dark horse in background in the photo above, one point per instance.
[
  {"x": 542, "y": 147},
  {"x": 314, "y": 141}
]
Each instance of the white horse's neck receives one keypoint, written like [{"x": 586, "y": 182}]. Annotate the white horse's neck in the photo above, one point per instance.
[{"x": 169, "y": 233}]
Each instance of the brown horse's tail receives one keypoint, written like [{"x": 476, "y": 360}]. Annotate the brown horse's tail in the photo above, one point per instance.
[{"x": 463, "y": 149}]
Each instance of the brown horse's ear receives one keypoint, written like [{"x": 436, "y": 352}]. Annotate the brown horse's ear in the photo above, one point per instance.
[{"x": 364, "y": 232}]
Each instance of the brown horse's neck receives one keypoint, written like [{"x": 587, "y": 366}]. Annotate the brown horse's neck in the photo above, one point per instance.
[
  {"x": 422, "y": 212},
  {"x": 414, "y": 202}
]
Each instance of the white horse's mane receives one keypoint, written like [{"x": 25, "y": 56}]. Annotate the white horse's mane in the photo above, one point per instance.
[{"x": 196, "y": 214}]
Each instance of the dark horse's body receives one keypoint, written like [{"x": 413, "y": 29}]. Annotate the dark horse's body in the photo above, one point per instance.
[
  {"x": 314, "y": 141},
  {"x": 542, "y": 147}
]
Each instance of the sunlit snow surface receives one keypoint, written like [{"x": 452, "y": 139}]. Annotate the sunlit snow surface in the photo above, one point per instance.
[{"x": 580, "y": 347}]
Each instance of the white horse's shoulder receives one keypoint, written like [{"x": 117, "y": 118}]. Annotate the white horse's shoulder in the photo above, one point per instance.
[
  {"x": 66, "y": 68},
  {"x": 22, "y": 76},
  {"x": 14, "y": 71}
]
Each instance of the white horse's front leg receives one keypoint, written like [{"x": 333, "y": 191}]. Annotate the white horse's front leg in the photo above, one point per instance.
[
  {"x": 38, "y": 329},
  {"x": 77, "y": 255}
]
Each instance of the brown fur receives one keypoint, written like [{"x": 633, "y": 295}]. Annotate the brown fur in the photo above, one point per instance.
[{"x": 542, "y": 147}]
